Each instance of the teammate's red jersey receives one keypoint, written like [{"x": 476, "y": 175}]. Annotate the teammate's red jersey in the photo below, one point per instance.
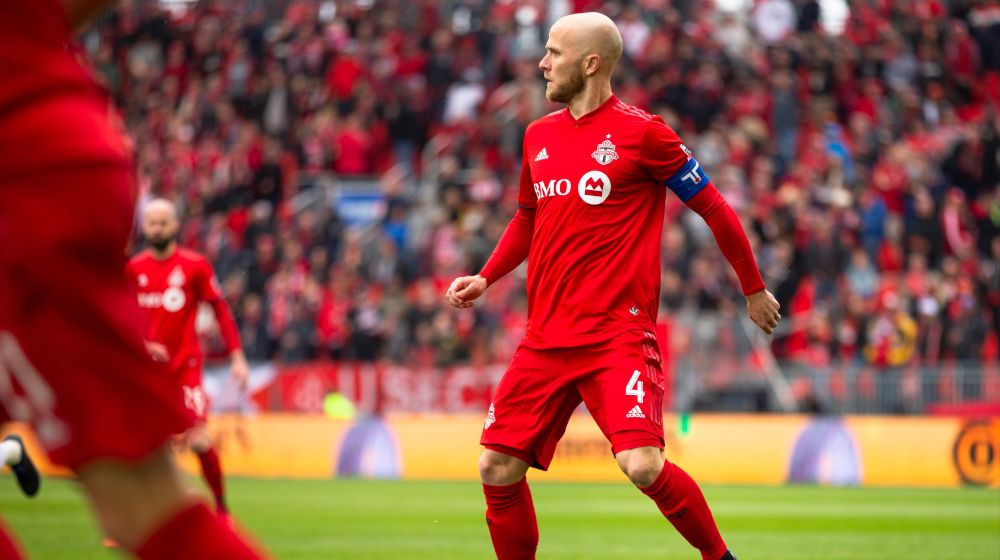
[
  {"x": 170, "y": 290},
  {"x": 597, "y": 187}
]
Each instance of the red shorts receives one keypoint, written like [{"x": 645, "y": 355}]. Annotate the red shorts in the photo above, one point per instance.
[
  {"x": 72, "y": 359},
  {"x": 620, "y": 382},
  {"x": 194, "y": 397}
]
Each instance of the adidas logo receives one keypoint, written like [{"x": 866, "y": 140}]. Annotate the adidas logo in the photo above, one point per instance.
[
  {"x": 636, "y": 412},
  {"x": 542, "y": 155}
]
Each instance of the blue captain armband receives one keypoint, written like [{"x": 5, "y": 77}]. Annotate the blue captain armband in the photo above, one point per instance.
[{"x": 688, "y": 181}]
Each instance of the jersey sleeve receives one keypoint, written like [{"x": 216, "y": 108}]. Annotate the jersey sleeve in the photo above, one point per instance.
[
  {"x": 670, "y": 162},
  {"x": 208, "y": 286},
  {"x": 526, "y": 197},
  {"x": 209, "y": 292}
]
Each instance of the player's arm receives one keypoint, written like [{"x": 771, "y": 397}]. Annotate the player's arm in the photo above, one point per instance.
[
  {"x": 157, "y": 351},
  {"x": 732, "y": 240},
  {"x": 681, "y": 173},
  {"x": 212, "y": 295},
  {"x": 511, "y": 250}
]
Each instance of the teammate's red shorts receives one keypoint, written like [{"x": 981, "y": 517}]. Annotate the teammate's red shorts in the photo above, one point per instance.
[
  {"x": 620, "y": 381},
  {"x": 72, "y": 360},
  {"x": 194, "y": 397}
]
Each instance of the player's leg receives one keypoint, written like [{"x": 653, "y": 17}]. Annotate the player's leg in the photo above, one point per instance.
[
  {"x": 510, "y": 512},
  {"x": 526, "y": 419},
  {"x": 625, "y": 398},
  {"x": 677, "y": 496},
  {"x": 200, "y": 441},
  {"x": 14, "y": 454},
  {"x": 147, "y": 507}
]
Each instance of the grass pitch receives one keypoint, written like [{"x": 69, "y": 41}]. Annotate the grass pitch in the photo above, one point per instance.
[{"x": 444, "y": 520}]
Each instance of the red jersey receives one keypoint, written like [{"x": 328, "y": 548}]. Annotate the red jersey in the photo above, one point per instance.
[
  {"x": 53, "y": 114},
  {"x": 595, "y": 188},
  {"x": 170, "y": 290}
]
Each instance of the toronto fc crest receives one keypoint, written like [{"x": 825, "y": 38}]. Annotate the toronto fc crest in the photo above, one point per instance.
[{"x": 605, "y": 152}]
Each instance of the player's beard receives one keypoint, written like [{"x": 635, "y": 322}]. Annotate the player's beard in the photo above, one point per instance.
[
  {"x": 565, "y": 92},
  {"x": 161, "y": 242}
]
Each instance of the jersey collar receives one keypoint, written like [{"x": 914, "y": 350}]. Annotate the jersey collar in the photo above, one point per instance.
[{"x": 587, "y": 117}]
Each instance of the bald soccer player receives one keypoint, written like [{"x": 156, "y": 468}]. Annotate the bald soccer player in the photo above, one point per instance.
[
  {"x": 171, "y": 282},
  {"x": 72, "y": 360},
  {"x": 594, "y": 178}
]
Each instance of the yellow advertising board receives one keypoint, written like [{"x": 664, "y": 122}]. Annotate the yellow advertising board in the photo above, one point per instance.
[{"x": 714, "y": 448}]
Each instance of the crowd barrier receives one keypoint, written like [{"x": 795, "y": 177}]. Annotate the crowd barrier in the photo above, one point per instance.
[
  {"x": 714, "y": 448},
  {"x": 728, "y": 449}
]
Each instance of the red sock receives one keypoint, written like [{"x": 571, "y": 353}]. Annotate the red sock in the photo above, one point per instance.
[
  {"x": 8, "y": 548},
  {"x": 196, "y": 534},
  {"x": 682, "y": 503},
  {"x": 510, "y": 515},
  {"x": 212, "y": 473}
]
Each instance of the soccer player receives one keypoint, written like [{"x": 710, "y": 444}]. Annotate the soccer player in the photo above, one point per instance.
[
  {"x": 590, "y": 213},
  {"x": 171, "y": 282},
  {"x": 72, "y": 360}
]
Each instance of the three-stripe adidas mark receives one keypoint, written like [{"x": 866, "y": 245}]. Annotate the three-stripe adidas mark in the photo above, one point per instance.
[
  {"x": 542, "y": 155},
  {"x": 636, "y": 412}
]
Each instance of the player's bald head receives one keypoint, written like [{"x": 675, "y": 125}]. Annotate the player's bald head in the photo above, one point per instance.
[
  {"x": 160, "y": 208},
  {"x": 590, "y": 33},
  {"x": 160, "y": 223}
]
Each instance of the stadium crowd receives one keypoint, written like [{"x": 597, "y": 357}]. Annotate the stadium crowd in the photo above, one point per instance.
[{"x": 863, "y": 155}]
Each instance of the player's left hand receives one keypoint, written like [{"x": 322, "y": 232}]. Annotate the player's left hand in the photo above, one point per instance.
[
  {"x": 239, "y": 369},
  {"x": 763, "y": 310}
]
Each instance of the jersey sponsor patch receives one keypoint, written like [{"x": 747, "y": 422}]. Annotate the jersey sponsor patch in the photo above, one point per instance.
[
  {"x": 688, "y": 181},
  {"x": 594, "y": 187}
]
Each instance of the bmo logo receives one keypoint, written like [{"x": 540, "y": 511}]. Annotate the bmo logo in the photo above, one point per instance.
[
  {"x": 553, "y": 187},
  {"x": 594, "y": 187}
]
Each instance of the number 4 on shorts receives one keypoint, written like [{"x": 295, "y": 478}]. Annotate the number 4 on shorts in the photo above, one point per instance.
[{"x": 634, "y": 387}]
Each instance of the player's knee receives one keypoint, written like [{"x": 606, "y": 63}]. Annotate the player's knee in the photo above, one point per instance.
[
  {"x": 641, "y": 466},
  {"x": 133, "y": 499},
  {"x": 199, "y": 440},
  {"x": 499, "y": 469}
]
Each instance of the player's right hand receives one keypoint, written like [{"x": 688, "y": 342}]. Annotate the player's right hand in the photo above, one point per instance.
[
  {"x": 465, "y": 289},
  {"x": 157, "y": 351}
]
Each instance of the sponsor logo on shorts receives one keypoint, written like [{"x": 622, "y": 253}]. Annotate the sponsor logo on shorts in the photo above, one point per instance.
[
  {"x": 636, "y": 412},
  {"x": 490, "y": 417},
  {"x": 634, "y": 311}
]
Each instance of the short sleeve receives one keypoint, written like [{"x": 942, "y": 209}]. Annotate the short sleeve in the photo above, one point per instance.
[{"x": 670, "y": 162}]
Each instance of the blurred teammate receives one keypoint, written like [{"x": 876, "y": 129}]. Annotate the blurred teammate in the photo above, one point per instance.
[
  {"x": 171, "y": 282},
  {"x": 72, "y": 359},
  {"x": 589, "y": 219}
]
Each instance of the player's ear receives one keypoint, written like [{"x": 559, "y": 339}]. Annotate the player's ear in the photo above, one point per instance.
[{"x": 591, "y": 64}]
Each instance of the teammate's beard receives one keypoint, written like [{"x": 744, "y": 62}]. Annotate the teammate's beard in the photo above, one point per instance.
[
  {"x": 565, "y": 92},
  {"x": 160, "y": 243}
]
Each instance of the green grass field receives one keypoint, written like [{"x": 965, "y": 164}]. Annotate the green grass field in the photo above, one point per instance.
[{"x": 444, "y": 520}]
